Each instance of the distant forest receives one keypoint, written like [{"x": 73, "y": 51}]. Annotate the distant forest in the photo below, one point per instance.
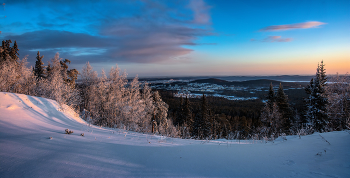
[{"x": 113, "y": 101}]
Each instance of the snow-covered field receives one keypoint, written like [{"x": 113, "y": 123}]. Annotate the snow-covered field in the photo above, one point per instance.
[{"x": 26, "y": 150}]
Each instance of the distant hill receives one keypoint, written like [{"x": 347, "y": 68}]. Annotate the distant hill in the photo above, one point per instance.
[
  {"x": 212, "y": 81},
  {"x": 249, "y": 83},
  {"x": 284, "y": 78}
]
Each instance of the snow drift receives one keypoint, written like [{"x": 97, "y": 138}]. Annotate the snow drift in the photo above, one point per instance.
[{"x": 33, "y": 143}]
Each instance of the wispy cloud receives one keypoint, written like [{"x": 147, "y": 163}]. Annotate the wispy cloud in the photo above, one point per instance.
[
  {"x": 272, "y": 39},
  {"x": 201, "y": 11},
  {"x": 311, "y": 24}
]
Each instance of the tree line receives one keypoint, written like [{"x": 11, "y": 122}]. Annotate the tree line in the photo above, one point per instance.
[
  {"x": 326, "y": 107},
  {"x": 113, "y": 101},
  {"x": 110, "y": 101}
]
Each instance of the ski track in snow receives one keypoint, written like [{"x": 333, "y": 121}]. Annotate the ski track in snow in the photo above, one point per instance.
[{"x": 26, "y": 150}]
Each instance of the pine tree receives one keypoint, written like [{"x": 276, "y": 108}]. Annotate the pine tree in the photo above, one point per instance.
[
  {"x": 317, "y": 100},
  {"x": 180, "y": 119},
  {"x": 283, "y": 106},
  {"x": 187, "y": 115},
  {"x": 6, "y": 52},
  {"x": 64, "y": 70},
  {"x": 69, "y": 76},
  {"x": 72, "y": 76},
  {"x": 39, "y": 70},
  {"x": 205, "y": 118},
  {"x": 202, "y": 125},
  {"x": 14, "y": 52},
  {"x": 270, "y": 97}
]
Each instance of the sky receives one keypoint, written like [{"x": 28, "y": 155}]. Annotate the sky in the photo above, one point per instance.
[{"x": 161, "y": 38}]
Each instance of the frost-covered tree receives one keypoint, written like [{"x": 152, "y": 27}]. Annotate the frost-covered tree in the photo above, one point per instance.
[
  {"x": 338, "y": 92},
  {"x": 98, "y": 96},
  {"x": 135, "y": 106},
  {"x": 317, "y": 100},
  {"x": 149, "y": 108},
  {"x": 272, "y": 120},
  {"x": 8, "y": 75},
  {"x": 26, "y": 82},
  {"x": 89, "y": 78},
  {"x": 56, "y": 88},
  {"x": 161, "y": 113},
  {"x": 117, "y": 96},
  {"x": 16, "y": 77}
]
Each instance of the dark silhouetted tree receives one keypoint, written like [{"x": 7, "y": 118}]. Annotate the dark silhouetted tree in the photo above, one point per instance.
[
  {"x": 39, "y": 70},
  {"x": 284, "y": 108}
]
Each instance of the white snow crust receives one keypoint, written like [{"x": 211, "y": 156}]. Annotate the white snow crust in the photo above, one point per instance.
[{"x": 26, "y": 150}]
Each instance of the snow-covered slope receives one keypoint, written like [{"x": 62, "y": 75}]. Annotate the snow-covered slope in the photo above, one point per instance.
[{"x": 26, "y": 150}]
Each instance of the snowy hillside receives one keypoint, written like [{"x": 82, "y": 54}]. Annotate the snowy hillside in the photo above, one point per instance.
[{"x": 26, "y": 150}]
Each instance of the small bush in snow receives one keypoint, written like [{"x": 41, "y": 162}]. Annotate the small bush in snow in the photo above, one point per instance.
[{"x": 69, "y": 131}]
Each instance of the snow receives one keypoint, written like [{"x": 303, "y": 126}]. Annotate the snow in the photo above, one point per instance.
[{"x": 26, "y": 150}]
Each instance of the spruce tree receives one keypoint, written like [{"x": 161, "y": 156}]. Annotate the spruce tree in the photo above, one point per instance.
[
  {"x": 6, "y": 49},
  {"x": 317, "y": 100},
  {"x": 187, "y": 114},
  {"x": 14, "y": 52},
  {"x": 283, "y": 106},
  {"x": 180, "y": 119},
  {"x": 39, "y": 70},
  {"x": 205, "y": 118},
  {"x": 69, "y": 76},
  {"x": 270, "y": 97},
  {"x": 64, "y": 70}
]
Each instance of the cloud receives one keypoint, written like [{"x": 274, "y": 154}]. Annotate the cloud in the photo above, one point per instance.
[
  {"x": 147, "y": 31},
  {"x": 48, "y": 39},
  {"x": 201, "y": 11},
  {"x": 272, "y": 39},
  {"x": 311, "y": 24}
]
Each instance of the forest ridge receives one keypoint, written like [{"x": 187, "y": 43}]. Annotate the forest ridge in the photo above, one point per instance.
[{"x": 112, "y": 101}]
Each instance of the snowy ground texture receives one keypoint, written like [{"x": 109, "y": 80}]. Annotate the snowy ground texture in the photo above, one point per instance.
[{"x": 26, "y": 150}]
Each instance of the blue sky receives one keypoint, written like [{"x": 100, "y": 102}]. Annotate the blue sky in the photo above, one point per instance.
[{"x": 184, "y": 38}]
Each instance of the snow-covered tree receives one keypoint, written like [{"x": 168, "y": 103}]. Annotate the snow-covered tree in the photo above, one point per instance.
[
  {"x": 317, "y": 100},
  {"x": 135, "y": 106},
  {"x": 26, "y": 82},
  {"x": 16, "y": 77},
  {"x": 89, "y": 78},
  {"x": 272, "y": 120},
  {"x": 149, "y": 108},
  {"x": 338, "y": 91},
  {"x": 54, "y": 87},
  {"x": 161, "y": 113}
]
